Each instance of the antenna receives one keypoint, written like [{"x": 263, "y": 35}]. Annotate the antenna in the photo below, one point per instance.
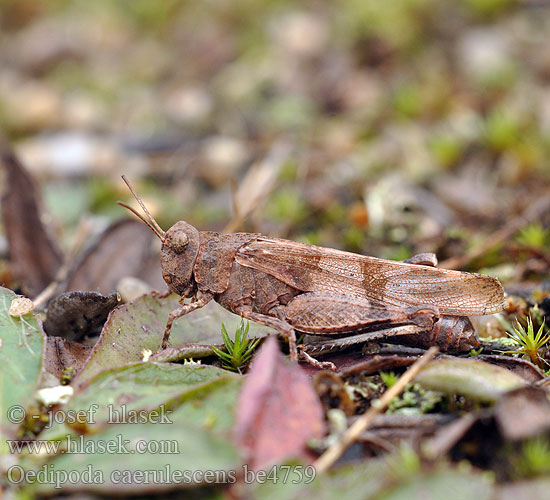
[{"x": 150, "y": 222}]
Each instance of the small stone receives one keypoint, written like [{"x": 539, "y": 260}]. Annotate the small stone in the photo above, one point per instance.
[{"x": 55, "y": 395}]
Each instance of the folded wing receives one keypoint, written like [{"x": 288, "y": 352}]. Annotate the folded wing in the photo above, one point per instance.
[{"x": 311, "y": 268}]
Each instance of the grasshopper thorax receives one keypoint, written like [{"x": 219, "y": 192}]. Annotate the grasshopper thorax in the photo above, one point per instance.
[{"x": 178, "y": 254}]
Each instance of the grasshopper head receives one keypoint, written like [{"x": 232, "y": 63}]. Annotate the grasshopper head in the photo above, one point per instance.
[{"x": 180, "y": 247}]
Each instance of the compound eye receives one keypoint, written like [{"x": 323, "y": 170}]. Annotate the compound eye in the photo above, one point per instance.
[{"x": 179, "y": 241}]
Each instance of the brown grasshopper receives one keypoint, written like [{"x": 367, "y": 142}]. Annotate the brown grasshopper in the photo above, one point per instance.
[{"x": 292, "y": 286}]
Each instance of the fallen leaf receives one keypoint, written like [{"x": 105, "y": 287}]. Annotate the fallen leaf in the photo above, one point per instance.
[
  {"x": 34, "y": 257},
  {"x": 62, "y": 353},
  {"x": 449, "y": 484},
  {"x": 190, "y": 452},
  {"x": 186, "y": 410},
  {"x": 474, "y": 379},
  {"x": 126, "y": 248},
  {"x": 535, "y": 488},
  {"x": 21, "y": 346},
  {"x": 278, "y": 410},
  {"x": 140, "y": 325},
  {"x": 376, "y": 478},
  {"x": 523, "y": 413},
  {"x": 525, "y": 369},
  {"x": 145, "y": 386}
]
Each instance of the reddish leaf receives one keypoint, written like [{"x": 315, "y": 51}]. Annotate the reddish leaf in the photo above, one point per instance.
[
  {"x": 278, "y": 410},
  {"x": 34, "y": 256}
]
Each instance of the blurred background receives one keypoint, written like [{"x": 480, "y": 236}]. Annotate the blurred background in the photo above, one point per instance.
[{"x": 384, "y": 128}]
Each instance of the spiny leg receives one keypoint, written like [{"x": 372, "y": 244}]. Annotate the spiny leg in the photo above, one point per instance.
[
  {"x": 323, "y": 365},
  {"x": 197, "y": 303},
  {"x": 351, "y": 318},
  {"x": 283, "y": 327},
  {"x": 321, "y": 313}
]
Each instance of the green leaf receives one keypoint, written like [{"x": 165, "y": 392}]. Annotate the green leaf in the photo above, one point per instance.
[
  {"x": 445, "y": 484},
  {"x": 140, "y": 324},
  {"x": 155, "y": 459},
  {"x": 21, "y": 347},
  {"x": 374, "y": 479},
  {"x": 145, "y": 386},
  {"x": 198, "y": 418},
  {"x": 472, "y": 378}
]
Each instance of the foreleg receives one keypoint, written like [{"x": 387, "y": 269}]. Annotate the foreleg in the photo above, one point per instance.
[{"x": 197, "y": 303}]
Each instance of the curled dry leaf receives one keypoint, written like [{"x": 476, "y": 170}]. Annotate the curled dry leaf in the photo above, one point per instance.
[
  {"x": 73, "y": 315},
  {"x": 34, "y": 256},
  {"x": 525, "y": 369},
  {"x": 278, "y": 410},
  {"x": 126, "y": 248}
]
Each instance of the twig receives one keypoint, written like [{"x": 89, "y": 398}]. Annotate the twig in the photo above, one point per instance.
[{"x": 329, "y": 457}]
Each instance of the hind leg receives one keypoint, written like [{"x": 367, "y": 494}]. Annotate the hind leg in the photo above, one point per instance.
[
  {"x": 284, "y": 328},
  {"x": 340, "y": 315}
]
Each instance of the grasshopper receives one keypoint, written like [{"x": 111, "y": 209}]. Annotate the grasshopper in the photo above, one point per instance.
[{"x": 291, "y": 286}]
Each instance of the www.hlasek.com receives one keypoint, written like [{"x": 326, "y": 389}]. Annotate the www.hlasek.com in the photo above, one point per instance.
[
  {"x": 47, "y": 474},
  {"x": 77, "y": 445}
]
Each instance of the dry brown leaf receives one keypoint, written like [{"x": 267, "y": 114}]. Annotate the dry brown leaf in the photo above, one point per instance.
[
  {"x": 61, "y": 353},
  {"x": 34, "y": 256},
  {"x": 521, "y": 367},
  {"x": 523, "y": 413},
  {"x": 126, "y": 248},
  {"x": 278, "y": 410}
]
